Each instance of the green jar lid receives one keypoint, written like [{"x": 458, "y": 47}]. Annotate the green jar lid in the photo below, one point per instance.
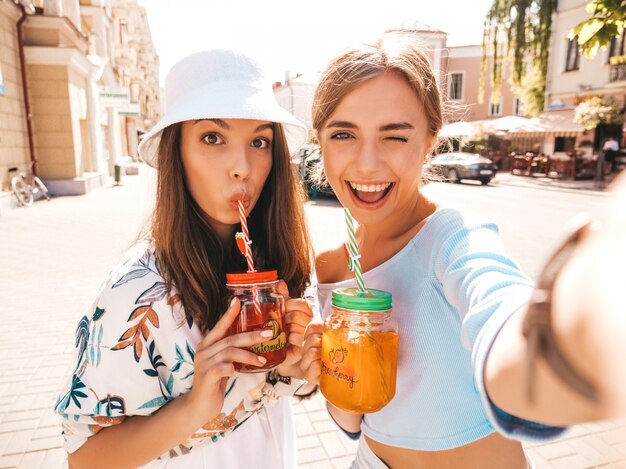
[{"x": 372, "y": 300}]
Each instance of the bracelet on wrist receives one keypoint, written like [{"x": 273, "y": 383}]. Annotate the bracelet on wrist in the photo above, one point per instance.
[
  {"x": 537, "y": 326},
  {"x": 286, "y": 385}
]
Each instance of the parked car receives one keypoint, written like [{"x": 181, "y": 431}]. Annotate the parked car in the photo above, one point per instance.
[
  {"x": 305, "y": 160},
  {"x": 455, "y": 166}
]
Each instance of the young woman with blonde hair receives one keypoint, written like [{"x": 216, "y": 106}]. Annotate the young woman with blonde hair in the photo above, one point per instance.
[{"x": 484, "y": 359}]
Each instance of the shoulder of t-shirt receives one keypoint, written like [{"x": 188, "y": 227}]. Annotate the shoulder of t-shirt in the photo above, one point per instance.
[
  {"x": 138, "y": 261},
  {"x": 135, "y": 280},
  {"x": 452, "y": 224},
  {"x": 451, "y": 220}
]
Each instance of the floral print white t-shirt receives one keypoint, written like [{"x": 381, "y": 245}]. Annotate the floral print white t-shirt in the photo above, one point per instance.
[{"x": 134, "y": 352}]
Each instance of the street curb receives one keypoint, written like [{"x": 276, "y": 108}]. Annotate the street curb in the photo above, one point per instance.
[{"x": 550, "y": 185}]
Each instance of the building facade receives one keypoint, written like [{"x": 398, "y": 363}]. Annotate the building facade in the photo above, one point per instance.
[
  {"x": 13, "y": 133},
  {"x": 572, "y": 81},
  {"x": 456, "y": 68},
  {"x": 91, "y": 72},
  {"x": 462, "y": 87},
  {"x": 296, "y": 95},
  {"x": 572, "y": 77}
]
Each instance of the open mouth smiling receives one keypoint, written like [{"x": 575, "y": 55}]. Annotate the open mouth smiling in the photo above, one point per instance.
[{"x": 370, "y": 193}]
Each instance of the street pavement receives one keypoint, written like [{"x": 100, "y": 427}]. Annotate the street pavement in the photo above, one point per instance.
[{"x": 57, "y": 253}]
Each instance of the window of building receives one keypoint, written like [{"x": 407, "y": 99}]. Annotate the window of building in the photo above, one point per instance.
[
  {"x": 495, "y": 109},
  {"x": 123, "y": 25},
  {"x": 572, "y": 61},
  {"x": 616, "y": 48},
  {"x": 564, "y": 143},
  {"x": 455, "y": 86},
  {"x": 518, "y": 106}
]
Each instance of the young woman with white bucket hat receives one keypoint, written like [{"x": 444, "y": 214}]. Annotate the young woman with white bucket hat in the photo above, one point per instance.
[{"x": 154, "y": 383}]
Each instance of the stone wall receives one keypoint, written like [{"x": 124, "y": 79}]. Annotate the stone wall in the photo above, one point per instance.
[{"x": 52, "y": 121}]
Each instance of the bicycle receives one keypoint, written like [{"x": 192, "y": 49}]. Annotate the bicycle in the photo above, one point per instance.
[{"x": 25, "y": 185}]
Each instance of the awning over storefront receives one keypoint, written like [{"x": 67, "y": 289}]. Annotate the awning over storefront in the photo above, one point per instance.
[
  {"x": 550, "y": 124},
  {"x": 461, "y": 129},
  {"x": 506, "y": 124}
]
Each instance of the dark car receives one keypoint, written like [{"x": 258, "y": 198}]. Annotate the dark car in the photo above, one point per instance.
[
  {"x": 307, "y": 158},
  {"x": 453, "y": 167}
]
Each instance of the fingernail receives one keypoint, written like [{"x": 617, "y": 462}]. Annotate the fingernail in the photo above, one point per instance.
[
  {"x": 267, "y": 333},
  {"x": 232, "y": 302},
  {"x": 263, "y": 360}
]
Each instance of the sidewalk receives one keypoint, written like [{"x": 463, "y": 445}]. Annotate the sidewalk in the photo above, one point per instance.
[
  {"x": 588, "y": 185},
  {"x": 55, "y": 256}
]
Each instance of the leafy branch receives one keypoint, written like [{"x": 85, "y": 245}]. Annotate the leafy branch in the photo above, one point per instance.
[{"x": 608, "y": 18}]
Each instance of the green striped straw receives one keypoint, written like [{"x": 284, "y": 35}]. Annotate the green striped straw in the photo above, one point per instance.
[{"x": 354, "y": 253}]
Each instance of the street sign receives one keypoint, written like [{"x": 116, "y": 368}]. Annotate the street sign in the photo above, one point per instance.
[
  {"x": 114, "y": 96},
  {"x": 128, "y": 109}
]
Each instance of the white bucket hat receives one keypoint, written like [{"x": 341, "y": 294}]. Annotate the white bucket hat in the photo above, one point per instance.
[{"x": 219, "y": 84}]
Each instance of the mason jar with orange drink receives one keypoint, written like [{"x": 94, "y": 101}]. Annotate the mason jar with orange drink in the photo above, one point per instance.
[{"x": 359, "y": 351}]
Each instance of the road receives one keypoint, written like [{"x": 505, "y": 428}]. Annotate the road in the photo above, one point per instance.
[
  {"x": 56, "y": 254},
  {"x": 531, "y": 221}
]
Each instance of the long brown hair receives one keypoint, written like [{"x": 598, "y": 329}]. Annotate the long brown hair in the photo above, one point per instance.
[{"x": 191, "y": 256}]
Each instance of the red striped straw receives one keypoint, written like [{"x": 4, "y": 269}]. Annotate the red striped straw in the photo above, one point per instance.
[
  {"x": 246, "y": 239},
  {"x": 246, "y": 236}
]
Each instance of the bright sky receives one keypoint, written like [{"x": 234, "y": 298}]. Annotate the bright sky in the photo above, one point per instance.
[{"x": 295, "y": 35}]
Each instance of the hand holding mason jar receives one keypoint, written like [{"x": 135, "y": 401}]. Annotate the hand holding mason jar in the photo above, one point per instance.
[
  {"x": 359, "y": 351},
  {"x": 354, "y": 354},
  {"x": 262, "y": 307}
]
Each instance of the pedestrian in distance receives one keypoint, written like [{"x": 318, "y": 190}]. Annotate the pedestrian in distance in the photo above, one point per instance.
[
  {"x": 154, "y": 383},
  {"x": 478, "y": 366},
  {"x": 610, "y": 149}
]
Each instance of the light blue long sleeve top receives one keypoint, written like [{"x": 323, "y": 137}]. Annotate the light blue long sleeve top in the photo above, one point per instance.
[{"x": 453, "y": 288}]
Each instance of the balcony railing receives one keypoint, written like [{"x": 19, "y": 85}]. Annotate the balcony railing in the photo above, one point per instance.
[{"x": 617, "y": 72}]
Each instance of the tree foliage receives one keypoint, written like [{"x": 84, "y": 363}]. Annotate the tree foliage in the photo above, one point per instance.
[
  {"x": 608, "y": 18},
  {"x": 597, "y": 110},
  {"x": 518, "y": 32}
]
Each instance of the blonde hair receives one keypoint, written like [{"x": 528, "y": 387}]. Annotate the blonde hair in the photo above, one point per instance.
[
  {"x": 395, "y": 53},
  {"x": 391, "y": 53}
]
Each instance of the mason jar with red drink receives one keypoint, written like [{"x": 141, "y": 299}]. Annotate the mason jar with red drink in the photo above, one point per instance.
[{"x": 262, "y": 307}]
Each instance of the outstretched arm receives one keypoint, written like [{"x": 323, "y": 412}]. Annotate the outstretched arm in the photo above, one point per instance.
[{"x": 588, "y": 315}]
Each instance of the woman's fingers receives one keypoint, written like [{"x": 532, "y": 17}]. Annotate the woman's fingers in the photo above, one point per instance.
[
  {"x": 222, "y": 326},
  {"x": 282, "y": 288},
  {"x": 229, "y": 356},
  {"x": 311, "y": 363},
  {"x": 296, "y": 320},
  {"x": 314, "y": 328},
  {"x": 242, "y": 340},
  {"x": 298, "y": 304},
  {"x": 295, "y": 339},
  {"x": 312, "y": 347}
]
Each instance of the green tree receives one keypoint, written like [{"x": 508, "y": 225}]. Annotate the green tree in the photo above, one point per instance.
[
  {"x": 596, "y": 110},
  {"x": 608, "y": 18},
  {"x": 518, "y": 32}
]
